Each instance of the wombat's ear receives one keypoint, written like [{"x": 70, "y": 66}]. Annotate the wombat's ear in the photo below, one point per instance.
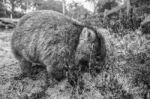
[{"x": 88, "y": 34}]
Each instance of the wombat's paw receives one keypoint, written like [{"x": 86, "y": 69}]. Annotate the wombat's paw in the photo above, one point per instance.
[
  {"x": 33, "y": 77},
  {"x": 51, "y": 83},
  {"x": 39, "y": 95},
  {"x": 24, "y": 96}
]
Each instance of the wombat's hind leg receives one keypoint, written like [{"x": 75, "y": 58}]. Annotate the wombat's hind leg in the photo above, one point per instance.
[{"x": 26, "y": 68}]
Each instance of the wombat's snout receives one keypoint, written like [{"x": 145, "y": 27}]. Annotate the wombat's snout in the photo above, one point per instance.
[{"x": 84, "y": 62}]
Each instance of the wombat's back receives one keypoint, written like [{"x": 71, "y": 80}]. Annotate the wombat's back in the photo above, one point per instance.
[
  {"x": 57, "y": 42},
  {"x": 39, "y": 33}
]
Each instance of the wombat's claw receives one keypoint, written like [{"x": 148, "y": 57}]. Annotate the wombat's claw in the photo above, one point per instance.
[
  {"x": 38, "y": 95},
  {"x": 20, "y": 77},
  {"x": 52, "y": 83},
  {"x": 33, "y": 78}
]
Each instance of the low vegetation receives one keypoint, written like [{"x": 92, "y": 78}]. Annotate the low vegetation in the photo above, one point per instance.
[{"x": 124, "y": 76}]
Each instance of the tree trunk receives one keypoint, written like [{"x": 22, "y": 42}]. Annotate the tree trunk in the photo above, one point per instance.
[
  {"x": 128, "y": 6},
  {"x": 11, "y": 16},
  {"x": 27, "y": 5},
  {"x": 12, "y": 8},
  {"x": 64, "y": 7},
  {"x": 95, "y": 6},
  {"x": 4, "y": 2}
]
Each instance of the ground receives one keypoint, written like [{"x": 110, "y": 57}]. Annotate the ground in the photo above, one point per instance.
[
  {"x": 126, "y": 62},
  {"x": 8, "y": 63}
]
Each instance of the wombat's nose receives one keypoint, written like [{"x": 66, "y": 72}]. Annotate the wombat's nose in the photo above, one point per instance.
[
  {"x": 83, "y": 64},
  {"x": 82, "y": 61}
]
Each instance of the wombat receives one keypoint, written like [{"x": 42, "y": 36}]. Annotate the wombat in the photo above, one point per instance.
[{"x": 56, "y": 42}]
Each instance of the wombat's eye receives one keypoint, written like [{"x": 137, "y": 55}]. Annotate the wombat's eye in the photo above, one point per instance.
[
  {"x": 89, "y": 35},
  {"x": 93, "y": 46}
]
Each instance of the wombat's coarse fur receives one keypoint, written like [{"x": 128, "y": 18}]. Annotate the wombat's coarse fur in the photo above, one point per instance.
[{"x": 55, "y": 41}]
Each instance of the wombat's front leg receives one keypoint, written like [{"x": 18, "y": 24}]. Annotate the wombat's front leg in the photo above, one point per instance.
[
  {"x": 53, "y": 75},
  {"x": 26, "y": 68}
]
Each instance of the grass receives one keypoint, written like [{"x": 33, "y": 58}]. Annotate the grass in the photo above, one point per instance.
[{"x": 115, "y": 82}]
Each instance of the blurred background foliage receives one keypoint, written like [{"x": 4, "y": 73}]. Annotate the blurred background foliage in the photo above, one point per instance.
[
  {"x": 128, "y": 50},
  {"x": 116, "y": 15}
]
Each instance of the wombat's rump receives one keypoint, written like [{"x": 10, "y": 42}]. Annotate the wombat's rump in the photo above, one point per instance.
[{"x": 50, "y": 39}]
